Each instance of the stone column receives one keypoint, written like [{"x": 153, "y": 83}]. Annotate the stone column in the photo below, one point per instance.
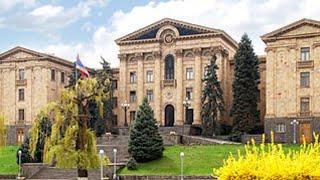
[
  {"x": 179, "y": 90},
  {"x": 122, "y": 95},
  {"x": 270, "y": 83},
  {"x": 140, "y": 74},
  {"x": 157, "y": 88},
  {"x": 197, "y": 86}
]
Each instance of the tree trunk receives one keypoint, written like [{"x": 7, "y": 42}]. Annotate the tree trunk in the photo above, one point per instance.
[
  {"x": 82, "y": 172},
  {"x": 81, "y": 139}
]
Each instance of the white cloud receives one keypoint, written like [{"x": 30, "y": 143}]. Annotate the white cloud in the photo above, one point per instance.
[
  {"x": 47, "y": 11},
  {"x": 48, "y": 18},
  {"x": 8, "y": 4},
  {"x": 235, "y": 17}
]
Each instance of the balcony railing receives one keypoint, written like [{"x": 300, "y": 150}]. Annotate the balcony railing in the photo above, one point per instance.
[
  {"x": 169, "y": 82},
  {"x": 305, "y": 114},
  {"x": 305, "y": 64},
  {"x": 22, "y": 82},
  {"x": 20, "y": 122}
]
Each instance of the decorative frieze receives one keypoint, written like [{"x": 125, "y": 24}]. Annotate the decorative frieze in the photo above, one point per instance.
[
  {"x": 122, "y": 57},
  {"x": 197, "y": 51},
  {"x": 179, "y": 53}
]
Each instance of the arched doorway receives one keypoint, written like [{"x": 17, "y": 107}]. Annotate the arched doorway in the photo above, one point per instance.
[
  {"x": 169, "y": 115},
  {"x": 169, "y": 67}
]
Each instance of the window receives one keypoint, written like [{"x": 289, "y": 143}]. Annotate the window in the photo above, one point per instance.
[
  {"x": 150, "y": 95},
  {"x": 305, "y": 79},
  {"x": 21, "y": 94},
  {"x": 21, "y": 74},
  {"x": 149, "y": 76},
  {"x": 133, "y": 96},
  {"x": 21, "y": 114},
  {"x": 189, "y": 93},
  {"x": 305, "y": 54},
  {"x": 132, "y": 116},
  {"x": 62, "y": 77},
  {"x": 133, "y": 77},
  {"x": 114, "y": 84},
  {"x": 189, "y": 73},
  {"x": 114, "y": 102},
  {"x": 304, "y": 105},
  {"x": 53, "y": 75},
  {"x": 280, "y": 128},
  {"x": 169, "y": 67},
  {"x": 115, "y": 120},
  {"x": 20, "y": 136}
]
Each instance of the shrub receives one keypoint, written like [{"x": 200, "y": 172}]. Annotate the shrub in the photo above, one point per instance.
[
  {"x": 132, "y": 164},
  {"x": 269, "y": 161}
]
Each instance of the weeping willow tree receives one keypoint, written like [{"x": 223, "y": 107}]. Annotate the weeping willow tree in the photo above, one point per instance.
[
  {"x": 71, "y": 143},
  {"x": 3, "y": 131}
]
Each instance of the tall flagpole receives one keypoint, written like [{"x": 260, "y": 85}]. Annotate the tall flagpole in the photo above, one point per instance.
[{"x": 76, "y": 75}]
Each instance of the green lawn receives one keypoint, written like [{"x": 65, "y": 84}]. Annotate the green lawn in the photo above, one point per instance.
[
  {"x": 8, "y": 163},
  {"x": 199, "y": 160}
]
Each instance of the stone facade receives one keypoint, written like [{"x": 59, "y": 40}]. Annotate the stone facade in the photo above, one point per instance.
[
  {"x": 28, "y": 81},
  {"x": 292, "y": 80},
  {"x": 146, "y": 51}
]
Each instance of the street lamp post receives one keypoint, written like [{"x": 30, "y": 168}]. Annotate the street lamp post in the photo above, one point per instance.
[
  {"x": 186, "y": 105},
  {"x": 181, "y": 165},
  {"x": 19, "y": 154},
  {"x": 125, "y": 106},
  {"x": 294, "y": 123},
  {"x": 101, "y": 152},
  {"x": 114, "y": 164}
]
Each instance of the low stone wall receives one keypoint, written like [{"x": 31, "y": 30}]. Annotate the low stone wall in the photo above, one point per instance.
[
  {"x": 29, "y": 169},
  {"x": 3, "y": 176},
  {"x": 124, "y": 131},
  {"x": 198, "y": 140},
  {"x": 132, "y": 177},
  {"x": 248, "y": 138}
]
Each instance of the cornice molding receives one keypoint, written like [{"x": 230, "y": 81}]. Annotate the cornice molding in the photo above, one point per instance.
[{"x": 189, "y": 37}]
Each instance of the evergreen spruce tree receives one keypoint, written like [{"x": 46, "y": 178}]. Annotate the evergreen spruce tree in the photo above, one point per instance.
[
  {"x": 212, "y": 100},
  {"x": 244, "y": 109},
  {"x": 25, "y": 153},
  {"x": 145, "y": 143}
]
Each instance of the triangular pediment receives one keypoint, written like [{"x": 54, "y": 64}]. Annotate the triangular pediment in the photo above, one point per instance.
[
  {"x": 303, "y": 27},
  {"x": 19, "y": 53},
  {"x": 183, "y": 28}
]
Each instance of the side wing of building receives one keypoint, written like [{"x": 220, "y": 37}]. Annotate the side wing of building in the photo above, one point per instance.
[
  {"x": 28, "y": 81},
  {"x": 292, "y": 81}
]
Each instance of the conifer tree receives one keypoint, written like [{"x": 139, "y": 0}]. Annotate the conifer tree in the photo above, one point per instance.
[
  {"x": 25, "y": 153},
  {"x": 145, "y": 143},
  {"x": 212, "y": 100},
  {"x": 244, "y": 109}
]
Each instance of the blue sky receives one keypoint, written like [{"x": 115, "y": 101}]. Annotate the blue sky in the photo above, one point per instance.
[{"x": 89, "y": 27}]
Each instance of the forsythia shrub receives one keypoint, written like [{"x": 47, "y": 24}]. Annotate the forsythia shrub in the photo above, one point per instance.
[{"x": 269, "y": 161}]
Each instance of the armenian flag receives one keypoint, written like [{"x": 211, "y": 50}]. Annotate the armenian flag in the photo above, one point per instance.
[{"x": 81, "y": 67}]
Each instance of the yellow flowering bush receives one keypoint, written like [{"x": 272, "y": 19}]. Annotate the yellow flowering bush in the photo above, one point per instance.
[{"x": 269, "y": 161}]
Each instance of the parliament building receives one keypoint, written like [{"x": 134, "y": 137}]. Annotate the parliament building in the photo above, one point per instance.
[{"x": 166, "y": 62}]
